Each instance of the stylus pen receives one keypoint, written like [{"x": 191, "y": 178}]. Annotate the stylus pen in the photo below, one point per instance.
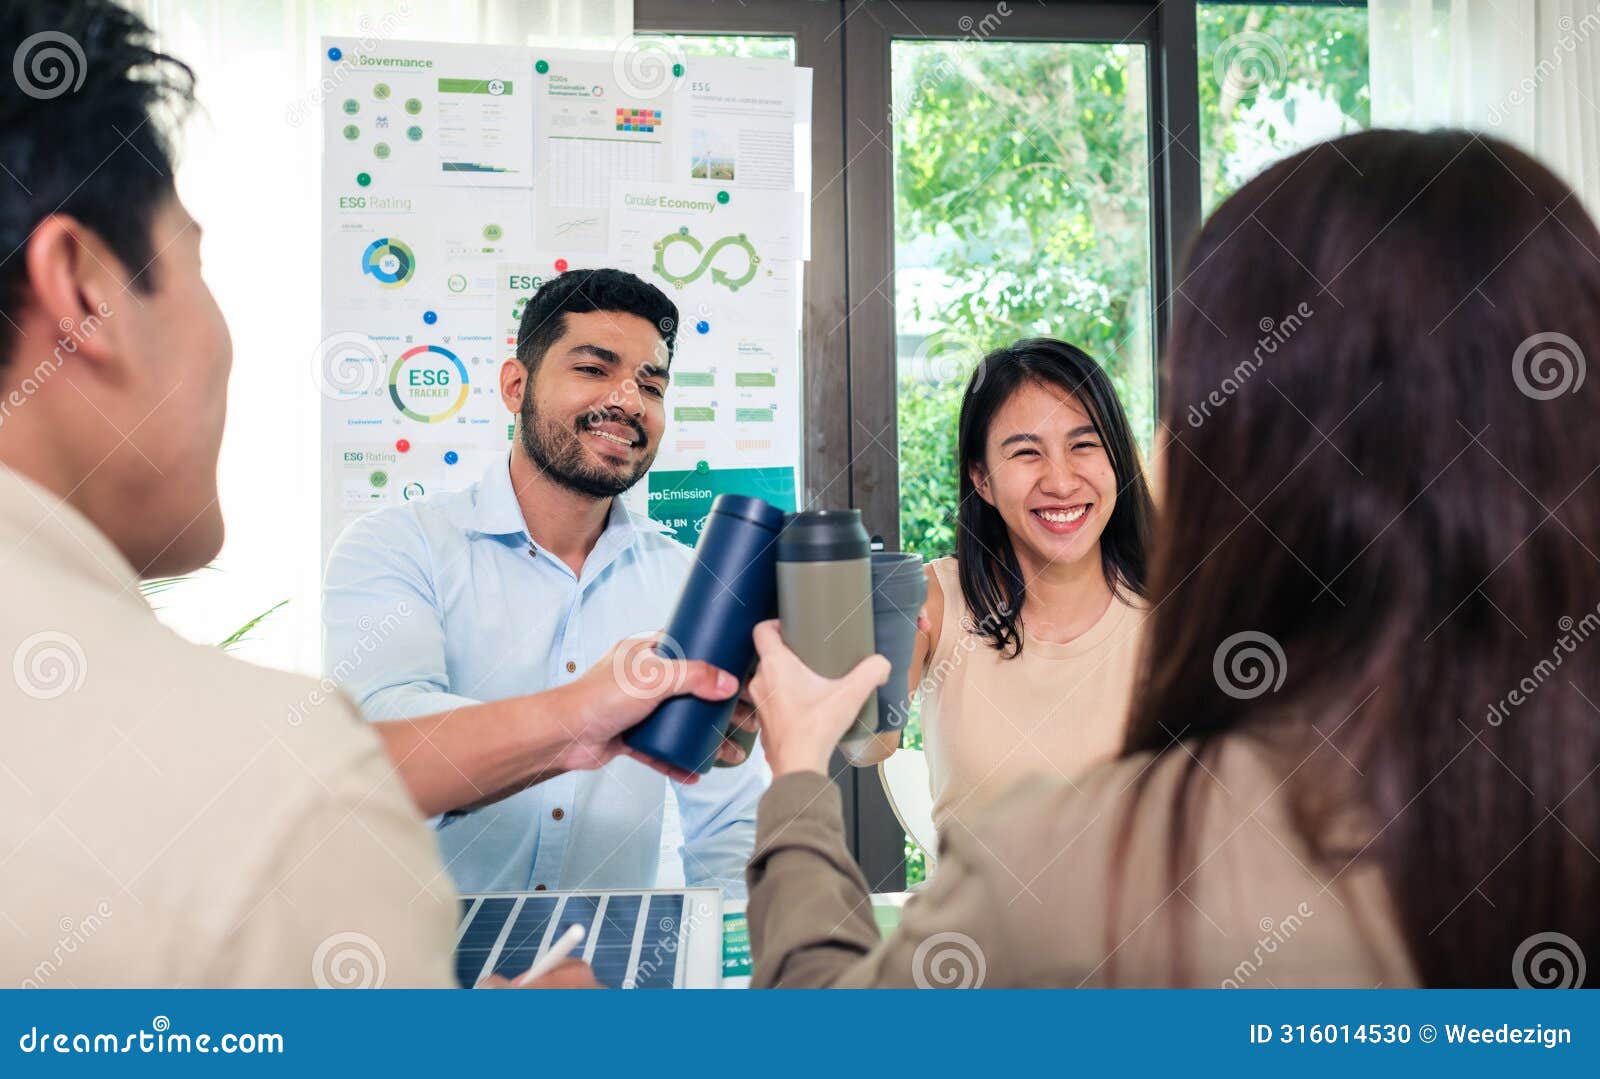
[{"x": 553, "y": 958}]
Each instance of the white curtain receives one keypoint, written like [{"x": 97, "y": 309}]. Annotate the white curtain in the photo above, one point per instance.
[
  {"x": 249, "y": 170},
  {"x": 1525, "y": 70}
]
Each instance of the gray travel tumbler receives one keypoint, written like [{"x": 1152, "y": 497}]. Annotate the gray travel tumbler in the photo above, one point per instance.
[
  {"x": 824, "y": 598},
  {"x": 899, "y": 589}
]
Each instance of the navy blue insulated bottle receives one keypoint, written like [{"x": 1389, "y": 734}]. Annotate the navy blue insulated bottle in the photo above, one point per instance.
[{"x": 732, "y": 586}]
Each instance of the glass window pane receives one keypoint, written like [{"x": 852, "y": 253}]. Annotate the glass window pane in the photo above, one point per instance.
[
  {"x": 1275, "y": 78},
  {"x": 744, "y": 46},
  {"x": 1022, "y": 209}
]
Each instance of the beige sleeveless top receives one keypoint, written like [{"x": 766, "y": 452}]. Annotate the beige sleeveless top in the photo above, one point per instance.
[{"x": 1056, "y": 709}]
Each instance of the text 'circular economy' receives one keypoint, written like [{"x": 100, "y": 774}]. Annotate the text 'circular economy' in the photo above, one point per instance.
[
  {"x": 390, "y": 261},
  {"x": 428, "y": 384}
]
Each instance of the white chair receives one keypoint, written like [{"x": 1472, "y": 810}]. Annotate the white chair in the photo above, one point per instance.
[{"x": 905, "y": 780}]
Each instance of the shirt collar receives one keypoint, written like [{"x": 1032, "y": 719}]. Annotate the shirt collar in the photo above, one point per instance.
[{"x": 498, "y": 513}]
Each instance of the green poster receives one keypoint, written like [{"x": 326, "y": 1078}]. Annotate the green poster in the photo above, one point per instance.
[
  {"x": 735, "y": 945},
  {"x": 681, "y": 500}
]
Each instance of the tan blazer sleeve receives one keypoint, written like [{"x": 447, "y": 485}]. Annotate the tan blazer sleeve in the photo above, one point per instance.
[
  {"x": 353, "y": 893},
  {"x": 1037, "y": 889},
  {"x": 811, "y": 922},
  {"x": 1020, "y": 898}
]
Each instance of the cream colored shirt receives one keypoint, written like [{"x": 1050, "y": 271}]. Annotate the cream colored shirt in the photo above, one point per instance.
[
  {"x": 170, "y": 816},
  {"x": 1054, "y": 710}
]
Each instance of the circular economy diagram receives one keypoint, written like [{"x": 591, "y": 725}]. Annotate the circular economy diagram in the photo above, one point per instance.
[
  {"x": 707, "y": 254},
  {"x": 390, "y": 261},
  {"x": 428, "y": 384}
]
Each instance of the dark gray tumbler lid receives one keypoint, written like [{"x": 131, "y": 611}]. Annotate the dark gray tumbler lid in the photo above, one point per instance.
[
  {"x": 823, "y": 536},
  {"x": 898, "y": 582}
]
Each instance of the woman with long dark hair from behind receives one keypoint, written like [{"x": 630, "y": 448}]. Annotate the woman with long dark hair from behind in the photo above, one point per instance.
[
  {"x": 1037, "y": 615},
  {"x": 1367, "y": 744}
]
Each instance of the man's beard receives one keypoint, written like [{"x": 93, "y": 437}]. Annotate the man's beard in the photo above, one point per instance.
[{"x": 558, "y": 452}]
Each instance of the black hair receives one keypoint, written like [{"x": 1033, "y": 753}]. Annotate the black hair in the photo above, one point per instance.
[
  {"x": 991, "y": 576},
  {"x": 82, "y": 132},
  {"x": 579, "y": 291}
]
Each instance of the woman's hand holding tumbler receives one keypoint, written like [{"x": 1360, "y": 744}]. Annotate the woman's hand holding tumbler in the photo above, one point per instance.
[{"x": 803, "y": 715}]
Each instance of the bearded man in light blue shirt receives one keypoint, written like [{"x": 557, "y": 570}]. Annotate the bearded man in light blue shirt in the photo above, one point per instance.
[{"x": 522, "y": 581}]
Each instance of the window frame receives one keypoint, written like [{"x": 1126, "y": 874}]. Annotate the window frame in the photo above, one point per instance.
[{"x": 848, "y": 322}]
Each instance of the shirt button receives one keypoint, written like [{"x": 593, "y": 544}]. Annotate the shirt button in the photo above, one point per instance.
[
  {"x": 571, "y": 666},
  {"x": 558, "y": 813},
  {"x": 538, "y": 887}
]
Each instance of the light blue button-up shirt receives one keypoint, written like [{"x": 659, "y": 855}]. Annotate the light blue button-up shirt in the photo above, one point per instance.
[{"x": 447, "y": 601}]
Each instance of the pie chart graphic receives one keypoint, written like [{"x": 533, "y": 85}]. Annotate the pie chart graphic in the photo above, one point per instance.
[{"x": 390, "y": 261}]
